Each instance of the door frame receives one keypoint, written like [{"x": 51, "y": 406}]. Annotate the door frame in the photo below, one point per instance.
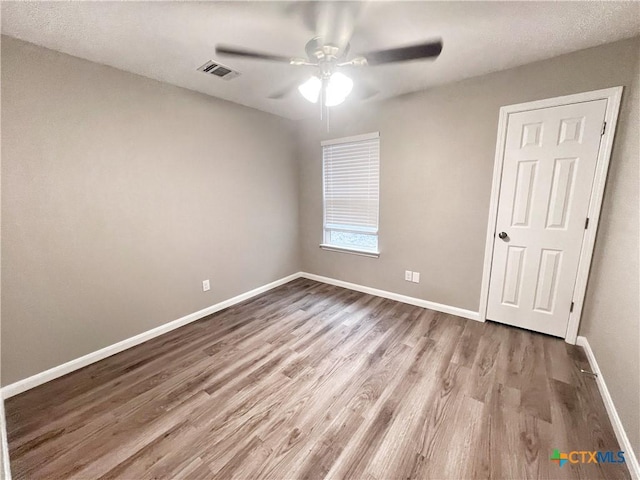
[{"x": 613, "y": 97}]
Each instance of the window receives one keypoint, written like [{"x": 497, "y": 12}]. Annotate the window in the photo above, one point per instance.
[{"x": 351, "y": 177}]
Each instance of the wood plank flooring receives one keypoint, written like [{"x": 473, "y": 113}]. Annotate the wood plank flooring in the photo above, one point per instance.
[{"x": 313, "y": 381}]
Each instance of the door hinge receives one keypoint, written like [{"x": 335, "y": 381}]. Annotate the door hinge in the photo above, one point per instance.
[
  {"x": 571, "y": 308},
  {"x": 604, "y": 127},
  {"x": 586, "y": 223}
]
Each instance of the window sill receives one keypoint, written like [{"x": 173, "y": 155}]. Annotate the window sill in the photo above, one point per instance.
[{"x": 353, "y": 251}]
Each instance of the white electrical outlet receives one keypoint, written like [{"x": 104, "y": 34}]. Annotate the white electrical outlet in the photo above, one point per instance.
[
  {"x": 206, "y": 286},
  {"x": 416, "y": 277},
  {"x": 407, "y": 275}
]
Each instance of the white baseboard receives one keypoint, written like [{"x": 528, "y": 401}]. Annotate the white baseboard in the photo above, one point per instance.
[
  {"x": 55, "y": 372},
  {"x": 459, "y": 312},
  {"x": 6, "y": 467},
  {"x": 618, "y": 428}
]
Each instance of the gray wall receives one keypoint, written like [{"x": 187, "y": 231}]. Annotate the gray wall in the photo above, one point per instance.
[
  {"x": 437, "y": 154},
  {"x": 611, "y": 318},
  {"x": 121, "y": 194}
]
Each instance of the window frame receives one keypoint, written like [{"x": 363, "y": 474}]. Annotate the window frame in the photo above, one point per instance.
[{"x": 325, "y": 245}]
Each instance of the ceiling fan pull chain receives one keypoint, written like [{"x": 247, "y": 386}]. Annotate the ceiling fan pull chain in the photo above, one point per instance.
[
  {"x": 323, "y": 98},
  {"x": 327, "y": 114}
]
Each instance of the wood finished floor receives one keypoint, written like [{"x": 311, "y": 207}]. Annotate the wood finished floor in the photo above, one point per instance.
[{"x": 314, "y": 381}]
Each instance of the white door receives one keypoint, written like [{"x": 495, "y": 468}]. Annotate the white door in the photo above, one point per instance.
[{"x": 548, "y": 171}]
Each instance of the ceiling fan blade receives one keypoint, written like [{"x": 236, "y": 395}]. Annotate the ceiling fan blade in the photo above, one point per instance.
[
  {"x": 336, "y": 21},
  {"x": 403, "y": 54},
  {"x": 364, "y": 90},
  {"x": 241, "y": 52},
  {"x": 285, "y": 91}
]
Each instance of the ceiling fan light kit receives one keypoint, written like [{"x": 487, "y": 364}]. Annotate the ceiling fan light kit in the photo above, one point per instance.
[{"x": 338, "y": 88}]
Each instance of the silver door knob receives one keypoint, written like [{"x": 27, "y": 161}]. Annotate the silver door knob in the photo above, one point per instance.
[{"x": 503, "y": 235}]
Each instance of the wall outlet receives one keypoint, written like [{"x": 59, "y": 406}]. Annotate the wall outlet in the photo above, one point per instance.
[
  {"x": 206, "y": 286},
  {"x": 415, "y": 277},
  {"x": 407, "y": 275}
]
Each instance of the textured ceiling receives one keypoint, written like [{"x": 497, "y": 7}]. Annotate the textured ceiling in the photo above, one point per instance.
[{"x": 167, "y": 41}]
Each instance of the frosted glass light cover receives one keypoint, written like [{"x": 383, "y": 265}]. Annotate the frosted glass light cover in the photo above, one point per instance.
[
  {"x": 338, "y": 90},
  {"x": 311, "y": 89}
]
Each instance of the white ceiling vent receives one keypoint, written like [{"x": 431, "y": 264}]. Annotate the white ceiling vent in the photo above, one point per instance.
[{"x": 218, "y": 70}]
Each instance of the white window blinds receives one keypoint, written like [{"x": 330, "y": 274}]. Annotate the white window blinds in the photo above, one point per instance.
[{"x": 351, "y": 191}]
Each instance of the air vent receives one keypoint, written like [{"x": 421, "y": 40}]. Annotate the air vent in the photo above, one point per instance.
[{"x": 213, "y": 68}]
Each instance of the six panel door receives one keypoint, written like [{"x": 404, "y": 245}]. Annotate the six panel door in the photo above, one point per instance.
[{"x": 548, "y": 171}]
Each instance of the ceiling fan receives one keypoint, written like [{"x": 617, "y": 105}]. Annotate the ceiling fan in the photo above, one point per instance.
[{"x": 329, "y": 84}]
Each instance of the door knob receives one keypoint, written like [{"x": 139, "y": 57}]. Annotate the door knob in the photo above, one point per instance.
[{"x": 503, "y": 235}]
